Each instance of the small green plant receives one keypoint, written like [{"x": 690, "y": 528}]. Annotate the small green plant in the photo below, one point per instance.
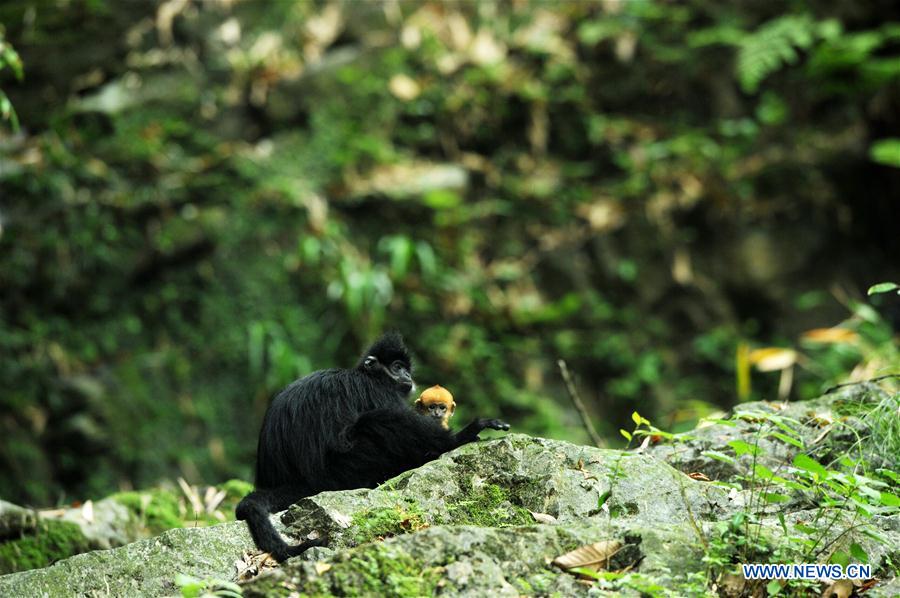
[
  {"x": 885, "y": 287},
  {"x": 192, "y": 587},
  {"x": 863, "y": 346},
  {"x": 9, "y": 58},
  {"x": 837, "y": 498},
  {"x": 777, "y": 43}
]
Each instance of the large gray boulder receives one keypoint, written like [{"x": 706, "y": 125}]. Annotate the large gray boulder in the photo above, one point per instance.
[{"x": 491, "y": 517}]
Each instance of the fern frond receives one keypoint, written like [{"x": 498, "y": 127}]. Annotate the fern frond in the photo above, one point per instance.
[{"x": 775, "y": 44}]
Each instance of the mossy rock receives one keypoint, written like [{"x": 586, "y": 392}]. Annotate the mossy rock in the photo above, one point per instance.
[
  {"x": 143, "y": 568},
  {"x": 161, "y": 509},
  {"x": 48, "y": 542}
]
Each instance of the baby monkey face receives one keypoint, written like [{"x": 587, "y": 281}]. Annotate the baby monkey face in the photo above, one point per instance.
[{"x": 436, "y": 402}]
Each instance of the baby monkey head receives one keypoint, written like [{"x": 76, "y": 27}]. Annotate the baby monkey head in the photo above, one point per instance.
[{"x": 436, "y": 402}]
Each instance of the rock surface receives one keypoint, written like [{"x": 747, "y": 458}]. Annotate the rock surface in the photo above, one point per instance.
[
  {"x": 490, "y": 518},
  {"x": 142, "y": 568}
]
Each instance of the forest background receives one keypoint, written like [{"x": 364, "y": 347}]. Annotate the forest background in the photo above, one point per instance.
[{"x": 201, "y": 201}]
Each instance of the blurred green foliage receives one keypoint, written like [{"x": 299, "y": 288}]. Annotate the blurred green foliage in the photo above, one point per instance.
[{"x": 207, "y": 200}]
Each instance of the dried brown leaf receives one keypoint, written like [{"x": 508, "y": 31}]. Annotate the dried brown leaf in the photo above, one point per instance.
[
  {"x": 253, "y": 563},
  {"x": 593, "y": 556},
  {"x": 543, "y": 517},
  {"x": 842, "y": 588}
]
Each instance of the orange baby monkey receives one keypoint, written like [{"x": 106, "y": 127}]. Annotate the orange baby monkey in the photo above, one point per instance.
[{"x": 436, "y": 402}]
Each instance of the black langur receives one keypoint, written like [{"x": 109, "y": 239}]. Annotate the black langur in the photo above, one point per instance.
[
  {"x": 342, "y": 429},
  {"x": 436, "y": 402}
]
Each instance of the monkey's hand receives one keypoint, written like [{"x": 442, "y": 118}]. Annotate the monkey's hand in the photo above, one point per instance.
[
  {"x": 470, "y": 432},
  {"x": 493, "y": 424}
]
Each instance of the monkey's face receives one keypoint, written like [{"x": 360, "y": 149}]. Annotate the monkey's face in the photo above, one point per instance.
[
  {"x": 437, "y": 411},
  {"x": 397, "y": 373},
  {"x": 437, "y": 403}
]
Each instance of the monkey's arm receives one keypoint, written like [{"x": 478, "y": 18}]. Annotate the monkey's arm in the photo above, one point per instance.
[
  {"x": 387, "y": 442},
  {"x": 470, "y": 432}
]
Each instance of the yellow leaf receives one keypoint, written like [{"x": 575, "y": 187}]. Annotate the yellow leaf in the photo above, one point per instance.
[
  {"x": 772, "y": 359},
  {"x": 742, "y": 369},
  {"x": 830, "y": 335},
  {"x": 404, "y": 88}
]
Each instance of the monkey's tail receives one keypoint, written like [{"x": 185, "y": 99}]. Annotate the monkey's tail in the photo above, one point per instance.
[{"x": 255, "y": 508}]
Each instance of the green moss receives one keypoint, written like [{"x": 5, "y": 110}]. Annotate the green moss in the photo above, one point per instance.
[
  {"x": 524, "y": 586},
  {"x": 378, "y": 570},
  {"x": 488, "y": 506},
  {"x": 158, "y": 510},
  {"x": 387, "y": 521},
  {"x": 49, "y": 542},
  {"x": 236, "y": 489}
]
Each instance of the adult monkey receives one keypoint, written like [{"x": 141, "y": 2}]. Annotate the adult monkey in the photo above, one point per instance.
[{"x": 342, "y": 429}]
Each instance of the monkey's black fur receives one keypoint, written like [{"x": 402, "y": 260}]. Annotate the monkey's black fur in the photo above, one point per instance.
[{"x": 342, "y": 429}]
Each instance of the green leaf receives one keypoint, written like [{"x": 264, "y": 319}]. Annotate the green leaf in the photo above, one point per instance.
[
  {"x": 858, "y": 553},
  {"x": 890, "y": 500},
  {"x": 809, "y": 464},
  {"x": 743, "y": 448},
  {"x": 636, "y": 418},
  {"x": 806, "y": 529},
  {"x": 866, "y": 312},
  {"x": 892, "y": 475},
  {"x": 586, "y": 572},
  {"x": 783, "y": 523},
  {"x": 785, "y": 438},
  {"x": 887, "y": 152},
  {"x": 773, "y": 45},
  {"x": 718, "y": 456},
  {"x": 626, "y": 434},
  {"x": 762, "y": 472},
  {"x": 601, "y": 500},
  {"x": 774, "y": 497},
  {"x": 427, "y": 259},
  {"x": 840, "y": 557},
  {"x": 882, "y": 287},
  {"x": 442, "y": 199}
]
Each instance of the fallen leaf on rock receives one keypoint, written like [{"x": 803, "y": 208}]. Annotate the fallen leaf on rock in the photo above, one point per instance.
[
  {"x": 543, "y": 517},
  {"x": 590, "y": 556},
  {"x": 731, "y": 585},
  {"x": 821, "y": 418},
  {"x": 698, "y": 476},
  {"x": 842, "y": 588},
  {"x": 252, "y": 563}
]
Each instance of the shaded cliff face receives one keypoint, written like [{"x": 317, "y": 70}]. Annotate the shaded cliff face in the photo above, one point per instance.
[{"x": 491, "y": 517}]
